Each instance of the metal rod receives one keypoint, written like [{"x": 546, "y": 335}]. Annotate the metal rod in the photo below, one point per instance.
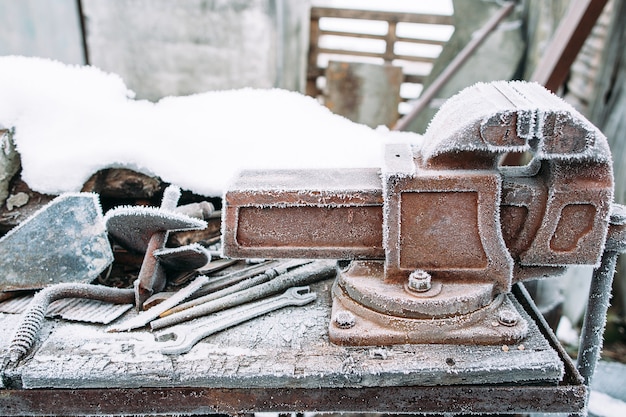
[
  {"x": 303, "y": 275},
  {"x": 146, "y": 317},
  {"x": 595, "y": 316},
  {"x": 232, "y": 278},
  {"x": 268, "y": 275},
  {"x": 594, "y": 322},
  {"x": 458, "y": 61}
]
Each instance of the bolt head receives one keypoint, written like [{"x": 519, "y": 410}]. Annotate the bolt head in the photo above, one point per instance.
[
  {"x": 419, "y": 281},
  {"x": 507, "y": 318},
  {"x": 345, "y": 320}
]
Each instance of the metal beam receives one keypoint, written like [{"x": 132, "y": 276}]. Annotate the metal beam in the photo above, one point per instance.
[{"x": 566, "y": 42}]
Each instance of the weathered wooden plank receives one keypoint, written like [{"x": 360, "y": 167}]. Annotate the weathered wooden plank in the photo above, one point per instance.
[
  {"x": 123, "y": 183},
  {"x": 391, "y": 39},
  {"x": 566, "y": 43},
  {"x": 412, "y": 58},
  {"x": 319, "y": 12},
  {"x": 311, "y": 82},
  {"x": 381, "y": 37},
  {"x": 464, "y": 399},
  {"x": 317, "y": 72},
  {"x": 286, "y": 349},
  {"x": 364, "y": 93},
  {"x": 26, "y": 203},
  {"x": 412, "y": 78}
]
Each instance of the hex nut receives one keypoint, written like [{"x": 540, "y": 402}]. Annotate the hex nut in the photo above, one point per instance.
[
  {"x": 345, "y": 320},
  {"x": 419, "y": 281},
  {"x": 507, "y": 318}
]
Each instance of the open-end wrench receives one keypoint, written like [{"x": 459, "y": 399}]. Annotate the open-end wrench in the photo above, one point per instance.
[
  {"x": 186, "y": 336},
  {"x": 267, "y": 275},
  {"x": 304, "y": 275}
]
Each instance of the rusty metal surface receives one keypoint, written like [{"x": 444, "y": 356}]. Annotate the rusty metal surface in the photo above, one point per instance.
[
  {"x": 74, "y": 309},
  {"x": 145, "y": 230},
  {"x": 461, "y": 313},
  {"x": 568, "y": 396},
  {"x": 202, "y": 401},
  {"x": 444, "y": 206},
  {"x": 305, "y": 214},
  {"x": 428, "y": 213}
]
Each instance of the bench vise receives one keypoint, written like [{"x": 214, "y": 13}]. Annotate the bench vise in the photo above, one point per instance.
[{"x": 438, "y": 236}]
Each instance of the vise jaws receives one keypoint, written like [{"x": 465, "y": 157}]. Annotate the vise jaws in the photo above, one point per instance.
[{"x": 437, "y": 236}]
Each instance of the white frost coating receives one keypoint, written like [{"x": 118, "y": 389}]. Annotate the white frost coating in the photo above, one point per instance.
[
  {"x": 196, "y": 247},
  {"x": 133, "y": 225},
  {"x": 455, "y": 127},
  {"x": 156, "y": 213},
  {"x": 71, "y": 121},
  {"x": 171, "y": 195},
  {"x": 95, "y": 228}
]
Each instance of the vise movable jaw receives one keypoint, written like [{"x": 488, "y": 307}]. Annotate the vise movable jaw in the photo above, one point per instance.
[{"x": 438, "y": 236}]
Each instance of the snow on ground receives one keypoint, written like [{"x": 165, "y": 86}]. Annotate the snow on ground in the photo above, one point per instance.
[
  {"x": 71, "y": 121},
  {"x": 602, "y": 405}
]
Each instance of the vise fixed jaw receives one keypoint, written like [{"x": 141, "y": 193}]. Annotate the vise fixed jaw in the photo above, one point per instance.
[{"x": 439, "y": 234}]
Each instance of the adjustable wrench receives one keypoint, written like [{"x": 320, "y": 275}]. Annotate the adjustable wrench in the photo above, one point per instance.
[{"x": 186, "y": 336}]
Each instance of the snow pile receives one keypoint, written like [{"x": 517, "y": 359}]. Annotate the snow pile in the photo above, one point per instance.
[
  {"x": 603, "y": 405},
  {"x": 72, "y": 121}
]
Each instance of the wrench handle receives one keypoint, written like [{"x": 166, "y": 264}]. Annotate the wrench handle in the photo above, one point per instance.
[{"x": 235, "y": 316}]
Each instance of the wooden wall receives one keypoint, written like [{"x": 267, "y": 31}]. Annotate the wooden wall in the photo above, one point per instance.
[
  {"x": 164, "y": 47},
  {"x": 42, "y": 28}
]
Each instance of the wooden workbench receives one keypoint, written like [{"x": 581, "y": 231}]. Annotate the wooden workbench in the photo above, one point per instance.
[{"x": 283, "y": 362}]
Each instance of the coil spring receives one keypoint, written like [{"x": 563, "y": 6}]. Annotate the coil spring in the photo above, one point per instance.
[
  {"x": 27, "y": 332},
  {"x": 32, "y": 320}
]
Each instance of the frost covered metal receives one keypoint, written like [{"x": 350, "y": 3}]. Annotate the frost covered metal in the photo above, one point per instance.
[
  {"x": 447, "y": 207},
  {"x": 145, "y": 230},
  {"x": 65, "y": 241}
]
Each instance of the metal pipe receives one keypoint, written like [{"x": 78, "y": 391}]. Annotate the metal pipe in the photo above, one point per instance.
[
  {"x": 32, "y": 319},
  {"x": 594, "y": 322},
  {"x": 451, "y": 69},
  {"x": 595, "y": 317}
]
